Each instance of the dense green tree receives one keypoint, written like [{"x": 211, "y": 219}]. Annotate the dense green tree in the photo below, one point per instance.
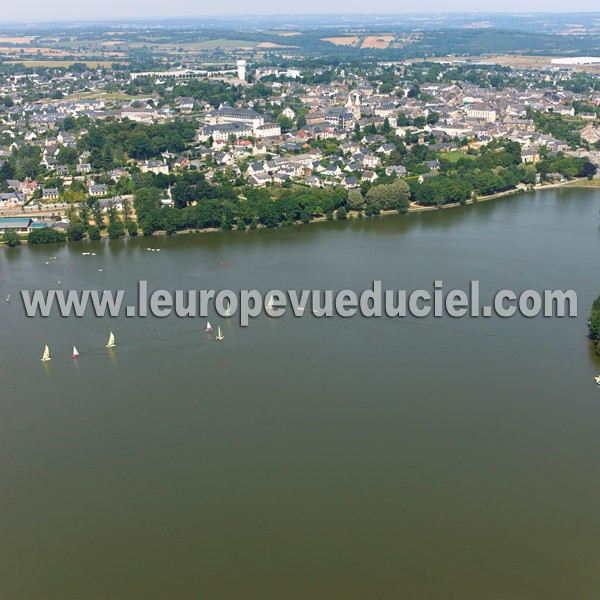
[
  {"x": 93, "y": 232},
  {"x": 45, "y": 235},
  {"x": 76, "y": 231}
]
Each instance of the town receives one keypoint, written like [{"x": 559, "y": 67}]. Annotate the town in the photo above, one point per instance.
[{"x": 262, "y": 141}]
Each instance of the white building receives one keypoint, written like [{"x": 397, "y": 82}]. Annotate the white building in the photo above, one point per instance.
[{"x": 241, "y": 69}]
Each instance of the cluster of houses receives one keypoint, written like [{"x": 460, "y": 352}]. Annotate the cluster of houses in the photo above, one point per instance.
[{"x": 246, "y": 140}]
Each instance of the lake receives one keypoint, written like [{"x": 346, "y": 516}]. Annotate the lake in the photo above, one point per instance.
[{"x": 307, "y": 458}]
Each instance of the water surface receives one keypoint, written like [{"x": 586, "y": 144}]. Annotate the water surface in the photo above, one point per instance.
[{"x": 308, "y": 458}]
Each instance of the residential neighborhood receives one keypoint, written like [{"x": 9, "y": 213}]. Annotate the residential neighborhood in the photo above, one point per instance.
[{"x": 406, "y": 120}]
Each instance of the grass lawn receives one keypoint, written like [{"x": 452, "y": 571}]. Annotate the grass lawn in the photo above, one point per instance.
[
  {"x": 591, "y": 183},
  {"x": 454, "y": 156}
]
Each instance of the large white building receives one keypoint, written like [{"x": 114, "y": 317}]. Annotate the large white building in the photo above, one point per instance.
[
  {"x": 227, "y": 114},
  {"x": 481, "y": 111},
  {"x": 576, "y": 60}
]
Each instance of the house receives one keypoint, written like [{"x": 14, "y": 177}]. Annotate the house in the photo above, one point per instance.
[
  {"x": 425, "y": 176},
  {"x": 386, "y": 149},
  {"x": 28, "y": 188},
  {"x": 288, "y": 112},
  {"x": 398, "y": 170},
  {"x": 181, "y": 162},
  {"x": 84, "y": 168},
  {"x": 369, "y": 176},
  {"x": 371, "y": 162},
  {"x": 350, "y": 182},
  {"x": 154, "y": 166},
  {"x": 98, "y": 189},
  {"x": 186, "y": 105},
  {"x": 259, "y": 179},
  {"x": 49, "y": 193},
  {"x": 11, "y": 199},
  {"x": 531, "y": 155}
]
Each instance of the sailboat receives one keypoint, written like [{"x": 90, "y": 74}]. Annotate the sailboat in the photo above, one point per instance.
[
  {"x": 75, "y": 353},
  {"x": 46, "y": 355},
  {"x": 220, "y": 336},
  {"x": 8, "y": 298},
  {"x": 111, "y": 340},
  {"x": 228, "y": 310},
  {"x": 597, "y": 379},
  {"x": 270, "y": 303},
  {"x": 208, "y": 326}
]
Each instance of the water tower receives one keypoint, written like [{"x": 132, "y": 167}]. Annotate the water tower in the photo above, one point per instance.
[{"x": 241, "y": 69}]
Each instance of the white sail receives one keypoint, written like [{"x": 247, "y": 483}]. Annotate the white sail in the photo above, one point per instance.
[
  {"x": 46, "y": 355},
  {"x": 208, "y": 326},
  {"x": 75, "y": 353},
  {"x": 220, "y": 336},
  {"x": 111, "y": 341},
  {"x": 228, "y": 310}
]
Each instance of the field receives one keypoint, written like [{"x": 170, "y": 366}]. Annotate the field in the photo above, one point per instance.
[
  {"x": 516, "y": 61},
  {"x": 343, "y": 41},
  {"x": 9, "y": 39},
  {"x": 11, "y": 50},
  {"x": 61, "y": 63},
  {"x": 218, "y": 43},
  {"x": 273, "y": 45},
  {"x": 377, "y": 41}
]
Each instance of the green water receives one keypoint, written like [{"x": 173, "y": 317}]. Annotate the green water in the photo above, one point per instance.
[{"x": 308, "y": 458}]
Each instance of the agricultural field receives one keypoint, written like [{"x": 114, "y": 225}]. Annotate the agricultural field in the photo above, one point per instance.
[
  {"x": 377, "y": 41},
  {"x": 16, "y": 39},
  {"x": 343, "y": 41},
  {"x": 62, "y": 63}
]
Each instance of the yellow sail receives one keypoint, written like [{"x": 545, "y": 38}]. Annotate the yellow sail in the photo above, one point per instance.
[
  {"x": 46, "y": 355},
  {"x": 111, "y": 340}
]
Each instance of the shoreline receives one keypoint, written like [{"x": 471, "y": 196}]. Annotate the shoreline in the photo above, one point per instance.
[{"x": 353, "y": 215}]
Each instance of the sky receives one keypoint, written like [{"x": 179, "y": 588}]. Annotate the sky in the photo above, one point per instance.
[{"x": 42, "y": 10}]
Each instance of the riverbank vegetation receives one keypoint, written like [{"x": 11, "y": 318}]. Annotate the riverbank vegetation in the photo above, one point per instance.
[{"x": 594, "y": 324}]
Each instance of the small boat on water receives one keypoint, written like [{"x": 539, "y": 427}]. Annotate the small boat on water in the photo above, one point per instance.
[
  {"x": 228, "y": 310},
  {"x": 597, "y": 379},
  {"x": 220, "y": 336},
  {"x": 111, "y": 340},
  {"x": 75, "y": 353},
  {"x": 208, "y": 326},
  {"x": 8, "y": 298},
  {"x": 46, "y": 356}
]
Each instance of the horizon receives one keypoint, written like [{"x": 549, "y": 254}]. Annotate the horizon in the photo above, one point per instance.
[{"x": 128, "y": 17}]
